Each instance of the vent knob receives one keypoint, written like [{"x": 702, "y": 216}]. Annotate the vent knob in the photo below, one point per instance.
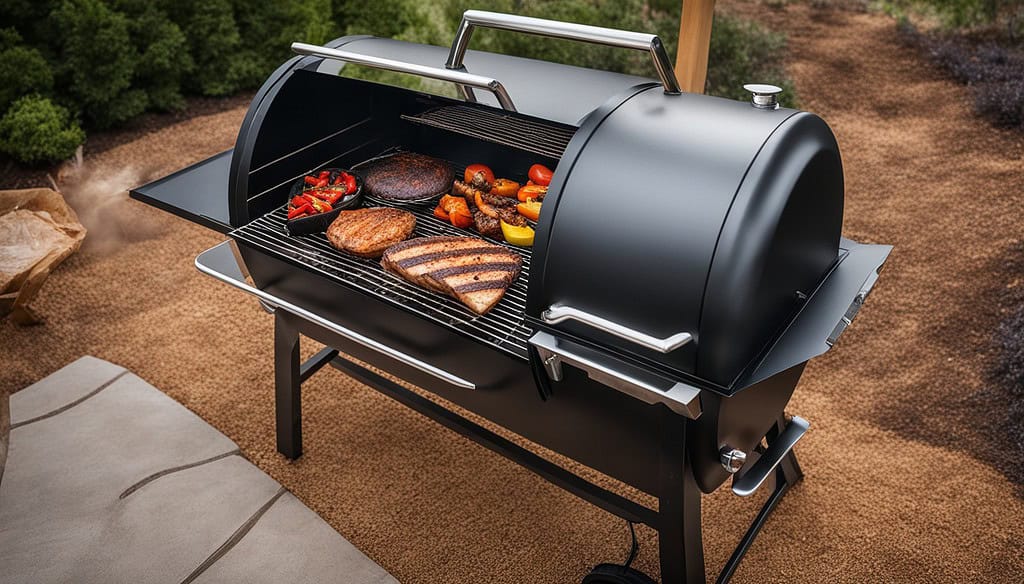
[
  {"x": 732, "y": 459},
  {"x": 764, "y": 96}
]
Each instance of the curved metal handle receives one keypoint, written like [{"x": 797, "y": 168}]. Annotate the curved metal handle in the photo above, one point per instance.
[
  {"x": 210, "y": 256},
  {"x": 653, "y": 389},
  {"x": 557, "y": 313},
  {"x": 460, "y": 78},
  {"x": 564, "y": 30}
]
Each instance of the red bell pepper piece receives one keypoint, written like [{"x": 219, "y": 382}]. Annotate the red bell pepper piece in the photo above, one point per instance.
[
  {"x": 298, "y": 201},
  {"x": 305, "y": 209},
  {"x": 331, "y": 195},
  {"x": 310, "y": 180},
  {"x": 324, "y": 174},
  {"x": 350, "y": 184}
]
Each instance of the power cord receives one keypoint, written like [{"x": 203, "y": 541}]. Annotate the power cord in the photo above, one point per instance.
[{"x": 634, "y": 548}]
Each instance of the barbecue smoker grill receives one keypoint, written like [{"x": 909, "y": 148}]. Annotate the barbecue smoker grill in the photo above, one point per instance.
[{"x": 688, "y": 263}]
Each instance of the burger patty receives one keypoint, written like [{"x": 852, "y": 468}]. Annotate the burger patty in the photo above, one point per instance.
[{"x": 407, "y": 176}]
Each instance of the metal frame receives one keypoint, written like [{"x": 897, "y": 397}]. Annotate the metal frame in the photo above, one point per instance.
[{"x": 677, "y": 520}]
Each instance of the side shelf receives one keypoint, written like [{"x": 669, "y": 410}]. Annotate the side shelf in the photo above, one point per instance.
[{"x": 198, "y": 193}]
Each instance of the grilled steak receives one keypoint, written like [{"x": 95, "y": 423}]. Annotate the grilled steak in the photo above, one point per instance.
[
  {"x": 368, "y": 232},
  {"x": 468, "y": 269},
  {"x": 407, "y": 176}
]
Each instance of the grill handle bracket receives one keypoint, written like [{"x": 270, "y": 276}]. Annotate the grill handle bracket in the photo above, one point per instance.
[
  {"x": 556, "y": 29},
  {"x": 221, "y": 263},
  {"x": 647, "y": 387},
  {"x": 460, "y": 78},
  {"x": 751, "y": 480},
  {"x": 559, "y": 312}
]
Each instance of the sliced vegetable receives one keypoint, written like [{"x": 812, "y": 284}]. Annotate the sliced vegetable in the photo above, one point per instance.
[
  {"x": 320, "y": 206},
  {"x": 441, "y": 214},
  {"x": 505, "y": 187},
  {"x": 530, "y": 209},
  {"x": 305, "y": 209},
  {"x": 479, "y": 176},
  {"x": 310, "y": 180},
  {"x": 484, "y": 207},
  {"x": 332, "y": 196},
  {"x": 350, "y": 183},
  {"x": 460, "y": 214},
  {"x": 517, "y": 235},
  {"x": 541, "y": 174},
  {"x": 297, "y": 201},
  {"x": 532, "y": 192}
]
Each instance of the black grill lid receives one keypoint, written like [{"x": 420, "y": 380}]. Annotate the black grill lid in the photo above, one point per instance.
[{"x": 636, "y": 213}]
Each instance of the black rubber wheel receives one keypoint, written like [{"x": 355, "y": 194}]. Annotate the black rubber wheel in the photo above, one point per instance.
[{"x": 616, "y": 574}]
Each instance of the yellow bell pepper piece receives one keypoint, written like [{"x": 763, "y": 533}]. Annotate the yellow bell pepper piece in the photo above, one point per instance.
[{"x": 517, "y": 235}]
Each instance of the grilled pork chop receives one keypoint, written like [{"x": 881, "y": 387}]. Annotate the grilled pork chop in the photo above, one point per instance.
[
  {"x": 468, "y": 269},
  {"x": 368, "y": 232}
]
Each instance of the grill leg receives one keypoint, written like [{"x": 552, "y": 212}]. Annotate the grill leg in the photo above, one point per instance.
[
  {"x": 680, "y": 543},
  {"x": 287, "y": 387},
  {"x": 786, "y": 475}
]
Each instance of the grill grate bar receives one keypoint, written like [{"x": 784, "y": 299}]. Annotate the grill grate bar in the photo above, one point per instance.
[
  {"x": 500, "y": 128},
  {"x": 503, "y": 327}
]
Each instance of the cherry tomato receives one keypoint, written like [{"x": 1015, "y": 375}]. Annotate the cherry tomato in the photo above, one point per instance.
[
  {"x": 479, "y": 176},
  {"x": 541, "y": 174}
]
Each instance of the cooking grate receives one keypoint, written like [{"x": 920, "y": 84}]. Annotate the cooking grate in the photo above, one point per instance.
[
  {"x": 537, "y": 137},
  {"x": 502, "y": 328}
]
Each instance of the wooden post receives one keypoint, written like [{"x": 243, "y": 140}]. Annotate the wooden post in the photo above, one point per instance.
[{"x": 694, "y": 40}]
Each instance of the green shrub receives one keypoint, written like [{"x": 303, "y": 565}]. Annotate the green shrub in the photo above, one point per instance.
[
  {"x": 163, "y": 59},
  {"x": 35, "y": 130},
  {"x": 743, "y": 52},
  {"x": 97, "y": 61},
  {"x": 22, "y": 71}
]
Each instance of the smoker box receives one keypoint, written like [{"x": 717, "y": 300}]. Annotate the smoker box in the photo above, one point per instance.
[{"x": 687, "y": 264}]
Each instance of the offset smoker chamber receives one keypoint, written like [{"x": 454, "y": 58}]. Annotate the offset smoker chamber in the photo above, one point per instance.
[{"x": 687, "y": 264}]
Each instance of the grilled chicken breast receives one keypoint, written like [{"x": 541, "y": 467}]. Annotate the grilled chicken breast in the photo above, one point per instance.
[
  {"x": 468, "y": 269},
  {"x": 368, "y": 232}
]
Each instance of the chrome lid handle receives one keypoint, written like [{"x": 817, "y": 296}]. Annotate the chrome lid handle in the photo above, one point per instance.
[
  {"x": 460, "y": 78},
  {"x": 558, "y": 313},
  {"x": 611, "y": 37}
]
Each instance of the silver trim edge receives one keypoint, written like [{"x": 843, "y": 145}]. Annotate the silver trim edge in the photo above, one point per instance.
[{"x": 333, "y": 327}]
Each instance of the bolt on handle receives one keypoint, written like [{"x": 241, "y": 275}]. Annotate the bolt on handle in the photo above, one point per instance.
[
  {"x": 564, "y": 30},
  {"x": 764, "y": 96}
]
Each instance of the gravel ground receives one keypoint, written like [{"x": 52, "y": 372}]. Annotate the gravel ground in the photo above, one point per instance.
[{"x": 899, "y": 486}]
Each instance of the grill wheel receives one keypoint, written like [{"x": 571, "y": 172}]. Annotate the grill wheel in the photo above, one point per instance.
[{"x": 616, "y": 574}]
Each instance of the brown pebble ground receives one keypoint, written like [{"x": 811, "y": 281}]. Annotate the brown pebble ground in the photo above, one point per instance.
[{"x": 893, "y": 490}]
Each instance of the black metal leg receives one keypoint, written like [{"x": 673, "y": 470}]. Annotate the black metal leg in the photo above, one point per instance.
[
  {"x": 680, "y": 544},
  {"x": 287, "y": 388},
  {"x": 786, "y": 475}
]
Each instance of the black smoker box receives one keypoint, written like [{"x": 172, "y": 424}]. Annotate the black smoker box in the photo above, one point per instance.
[{"x": 687, "y": 264}]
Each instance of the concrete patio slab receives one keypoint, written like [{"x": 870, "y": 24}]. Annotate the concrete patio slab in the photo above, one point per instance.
[
  {"x": 63, "y": 387},
  {"x": 110, "y": 480}
]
